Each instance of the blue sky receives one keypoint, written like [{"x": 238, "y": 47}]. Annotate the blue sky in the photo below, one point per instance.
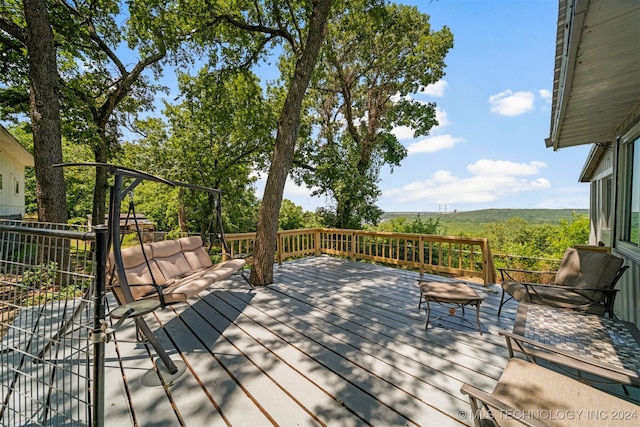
[{"x": 494, "y": 111}]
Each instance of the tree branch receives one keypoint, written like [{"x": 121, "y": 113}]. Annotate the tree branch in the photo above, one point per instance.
[
  {"x": 276, "y": 32},
  {"x": 124, "y": 84},
  {"x": 14, "y": 31}
]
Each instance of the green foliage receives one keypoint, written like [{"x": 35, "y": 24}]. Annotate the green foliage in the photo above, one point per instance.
[
  {"x": 42, "y": 276},
  {"x": 536, "y": 242},
  {"x": 215, "y": 138},
  {"x": 373, "y": 58},
  {"x": 41, "y": 281},
  {"x": 404, "y": 225},
  {"x": 291, "y": 216},
  {"x": 130, "y": 239},
  {"x": 471, "y": 223},
  {"x": 158, "y": 202},
  {"x": 174, "y": 234},
  {"x": 79, "y": 181},
  {"x": 569, "y": 233}
]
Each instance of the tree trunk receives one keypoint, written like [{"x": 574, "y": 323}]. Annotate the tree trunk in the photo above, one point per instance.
[
  {"x": 288, "y": 127},
  {"x": 45, "y": 113}
]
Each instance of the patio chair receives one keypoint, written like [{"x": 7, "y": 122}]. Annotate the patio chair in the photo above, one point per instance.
[
  {"x": 584, "y": 282},
  {"x": 531, "y": 395}
]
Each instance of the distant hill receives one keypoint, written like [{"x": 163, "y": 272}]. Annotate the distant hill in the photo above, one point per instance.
[
  {"x": 469, "y": 222},
  {"x": 532, "y": 216}
]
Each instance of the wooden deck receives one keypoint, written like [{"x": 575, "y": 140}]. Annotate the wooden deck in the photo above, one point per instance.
[{"x": 331, "y": 342}]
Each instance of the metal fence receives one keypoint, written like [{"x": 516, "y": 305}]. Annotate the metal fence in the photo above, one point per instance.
[{"x": 51, "y": 313}]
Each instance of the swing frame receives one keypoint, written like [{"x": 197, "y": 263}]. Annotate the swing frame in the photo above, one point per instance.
[{"x": 131, "y": 307}]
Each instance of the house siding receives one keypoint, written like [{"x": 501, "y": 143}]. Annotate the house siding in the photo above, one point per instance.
[
  {"x": 602, "y": 207},
  {"x": 596, "y": 89},
  {"x": 11, "y": 203},
  {"x": 627, "y": 305},
  {"x": 13, "y": 161}
]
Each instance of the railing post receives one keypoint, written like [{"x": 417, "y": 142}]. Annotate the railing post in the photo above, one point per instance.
[
  {"x": 101, "y": 232},
  {"x": 421, "y": 255},
  {"x": 279, "y": 248},
  {"x": 316, "y": 241},
  {"x": 490, "y": 270},
  {"x": 353, "y": 246},
  {"x": 485, "y": 262}
]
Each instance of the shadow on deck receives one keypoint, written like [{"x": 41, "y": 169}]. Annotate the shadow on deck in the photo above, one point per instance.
[{"x": 331, "y": 342}]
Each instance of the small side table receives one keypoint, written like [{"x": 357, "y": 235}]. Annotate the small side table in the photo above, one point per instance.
[{"x": 456, "y": 293}]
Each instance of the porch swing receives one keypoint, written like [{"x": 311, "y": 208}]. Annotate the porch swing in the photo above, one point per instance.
[
  {"x": 151, "y": 276},
  {"x": 169, "y": 271}
]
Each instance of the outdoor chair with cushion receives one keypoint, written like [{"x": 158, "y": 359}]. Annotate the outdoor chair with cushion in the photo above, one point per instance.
[
  {"x": 585, "y": 281},
  {"x": 533, "y": 395}
]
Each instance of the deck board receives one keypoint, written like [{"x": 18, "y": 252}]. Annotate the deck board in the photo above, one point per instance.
[
  {"x": 367, "y": 373},
  {"x": 331, "y": 342}
]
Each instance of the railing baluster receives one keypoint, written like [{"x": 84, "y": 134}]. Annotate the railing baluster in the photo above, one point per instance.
[{"x": 426, "y": 253}]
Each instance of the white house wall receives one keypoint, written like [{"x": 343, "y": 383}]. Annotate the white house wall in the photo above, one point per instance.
[
  {"x": 13, "y": 160},
  {"x": 12, "y": 171}
]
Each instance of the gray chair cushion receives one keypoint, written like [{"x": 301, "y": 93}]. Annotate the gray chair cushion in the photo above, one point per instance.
[{"x": 588, "y": 269}]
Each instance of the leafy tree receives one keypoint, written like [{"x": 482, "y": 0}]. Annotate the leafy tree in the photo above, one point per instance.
[
  {"x": 291, "y": 216},
  {"x": 78, "y": 181},
  {"x": 98, "y": 90},
  {"x": 28, "y": 58},
  {"x": 215, "y": 137},
  {"x": 300, "y": 26},
  {"x": 517, "y": 237},
  {"x": 417, "y": 225},
  {"x": 100, "y": 96},
  {"x": 372, "y": 60},
  {"x": 569, "y": 233}
]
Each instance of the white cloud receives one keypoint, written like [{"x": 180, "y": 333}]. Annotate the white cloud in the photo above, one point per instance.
[
  {"x": 442, "y": 117},
  {"x": 572, "y": 196},
  {"x": 508, "y": 103},
  {"x": 433, "y": 143},
  {"x": 291, "y": 190},
  {"x": 546, "y": 95},
  {"x": 403, "y": 132},
  {"x": 504, "y": 167},
  {"x": 435, "y": 89},
  {"x": 490, "y": 181}
]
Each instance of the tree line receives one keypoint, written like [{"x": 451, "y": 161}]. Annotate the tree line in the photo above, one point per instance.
[{"x": 515, "y": 241}]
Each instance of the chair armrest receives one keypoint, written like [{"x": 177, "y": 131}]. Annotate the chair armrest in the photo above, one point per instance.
[
  {"x": 506, "y": 411},
  {"x": 532, "y": 349},
  {"x": 532, "y": 288},
  {"x": 569, "y": 288}
]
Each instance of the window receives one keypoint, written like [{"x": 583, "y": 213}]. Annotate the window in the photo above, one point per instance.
[
  {"x": 630, "y": 232},
  {"x": 601, "y": 210},
  {"x": 0, "y": 181}
]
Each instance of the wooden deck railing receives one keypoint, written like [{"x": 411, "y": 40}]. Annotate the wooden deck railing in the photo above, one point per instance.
[{"x": 456, "y": 256}]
